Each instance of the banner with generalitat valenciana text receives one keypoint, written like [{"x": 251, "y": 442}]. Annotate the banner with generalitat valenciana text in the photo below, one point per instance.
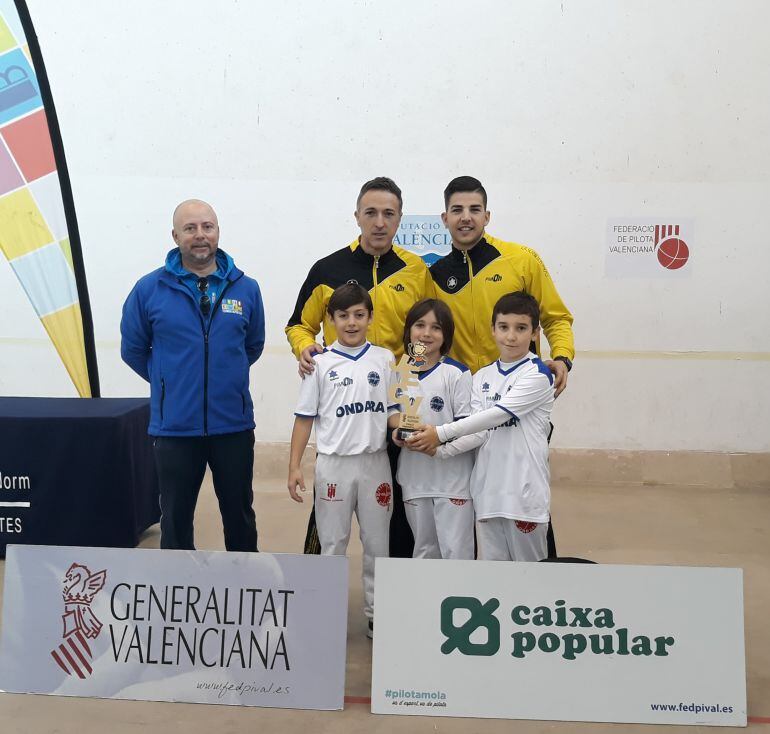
[{"x": 248, "y": 629}]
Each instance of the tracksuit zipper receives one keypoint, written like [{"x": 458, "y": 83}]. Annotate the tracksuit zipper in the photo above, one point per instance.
[
  {"x": 206, "y": 380},
  {"x": 375, "y": 336},
  {"x": 473, "y": 305},
  {"x": 206, "y": 330}
]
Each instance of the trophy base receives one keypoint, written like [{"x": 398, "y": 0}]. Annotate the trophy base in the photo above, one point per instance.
[{"x": 405, "y": 433}]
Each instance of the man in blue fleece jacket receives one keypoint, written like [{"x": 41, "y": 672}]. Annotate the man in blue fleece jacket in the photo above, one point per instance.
[{"x": 192, "y": 329}]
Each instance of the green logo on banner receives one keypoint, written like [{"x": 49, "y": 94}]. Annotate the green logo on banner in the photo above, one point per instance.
[
  {"x": 482, "y": 615},
  {"x": 611, "y": 641}
]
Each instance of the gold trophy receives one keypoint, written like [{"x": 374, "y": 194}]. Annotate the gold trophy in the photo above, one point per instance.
[{"x": 399, "y": 392}]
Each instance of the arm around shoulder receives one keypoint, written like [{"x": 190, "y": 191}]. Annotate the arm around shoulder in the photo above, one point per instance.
[
  {"x": 555, "y": 317},
  {"x": 306, "y": 320}
]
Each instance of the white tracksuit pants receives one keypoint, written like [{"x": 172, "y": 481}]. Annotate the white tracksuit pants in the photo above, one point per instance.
[
  {"x": 502, "y": 539},
  {"x": 442, "y": 527},
  {"x": 360, "y": 484}
]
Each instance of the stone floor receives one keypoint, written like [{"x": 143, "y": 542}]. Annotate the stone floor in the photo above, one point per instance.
[{"x": 633, "y": 525}]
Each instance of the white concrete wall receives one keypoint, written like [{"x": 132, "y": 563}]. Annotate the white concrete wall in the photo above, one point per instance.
[{"x": 570, "y": 112}]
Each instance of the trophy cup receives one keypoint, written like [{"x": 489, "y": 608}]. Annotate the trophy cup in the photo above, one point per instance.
[{"x": 399, "y": 392}]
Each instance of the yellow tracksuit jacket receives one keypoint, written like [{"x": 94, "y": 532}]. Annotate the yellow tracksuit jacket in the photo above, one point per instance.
[
  {"x": 471, "y": 283},
  {"x": 395, "y": 281}
]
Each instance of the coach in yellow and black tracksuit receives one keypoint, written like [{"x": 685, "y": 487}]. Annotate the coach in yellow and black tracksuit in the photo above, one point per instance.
[
  {"x": 396, "y": 280},
  {"x": 478, "y": 271},
  {"x": 471, "y": 282}
]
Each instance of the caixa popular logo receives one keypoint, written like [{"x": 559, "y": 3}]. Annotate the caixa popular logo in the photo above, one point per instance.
[
  {"x": 648, "y": 247},
  {"x": 553, "y": 628},
  {"x": 79, "y": 587}
]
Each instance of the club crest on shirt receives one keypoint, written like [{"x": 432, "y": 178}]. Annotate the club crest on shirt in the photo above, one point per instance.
[
  {"x": 232, "y": 305},
  {"x": 373, "y": 378},
  {"x": 451, "y": 283},
  {"x": 437, "y": 404}
]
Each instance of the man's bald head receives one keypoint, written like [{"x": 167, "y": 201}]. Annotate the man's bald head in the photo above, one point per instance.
[
  {"x": 183, "y": 207},
  {"x": 196, "y": 233}
]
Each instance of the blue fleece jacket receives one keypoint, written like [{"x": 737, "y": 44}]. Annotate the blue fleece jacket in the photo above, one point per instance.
[{"x": 198, "y": 369}]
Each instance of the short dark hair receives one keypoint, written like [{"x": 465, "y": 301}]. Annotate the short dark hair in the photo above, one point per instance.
[
  {"x": 347, "y": 295},
  {"x": 443, "y": 316},
  {"x": 520, "y": 303},
  {"x": 381, "y": 183},
  {"x": 463, "y": 184}
]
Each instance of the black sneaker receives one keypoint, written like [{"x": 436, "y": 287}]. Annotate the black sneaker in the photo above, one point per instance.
[{"x": 370, "y": 630}]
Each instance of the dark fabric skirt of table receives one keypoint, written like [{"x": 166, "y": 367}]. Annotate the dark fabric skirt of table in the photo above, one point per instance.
[{"x": 90, "y": 466}]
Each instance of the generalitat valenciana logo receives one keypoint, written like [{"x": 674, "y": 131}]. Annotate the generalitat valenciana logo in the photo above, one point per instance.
[{"x": 79, "y": 587}]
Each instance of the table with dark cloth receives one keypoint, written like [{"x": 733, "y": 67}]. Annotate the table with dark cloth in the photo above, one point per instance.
[{"x": 84, "y": 465}]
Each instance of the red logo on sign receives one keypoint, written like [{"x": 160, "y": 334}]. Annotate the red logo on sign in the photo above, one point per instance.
[
  {"x": 79, "y": 587},
  {"x": 383, "y": 494},
  {"x": 525, "y": 527},
  {"x": 457, "y": 502},
  {"x": 331, "y": 491},
  {"x": 672, "y": 251}
]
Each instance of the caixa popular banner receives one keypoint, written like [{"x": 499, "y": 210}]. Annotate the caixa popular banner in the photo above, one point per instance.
[
  {"x": 250, "y": 629},
  {"x": 646, "y": 644}
]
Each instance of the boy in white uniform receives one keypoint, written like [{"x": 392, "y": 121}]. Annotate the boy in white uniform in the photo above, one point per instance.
[
  {"x": 346, "y": 398},
  {"x": 511, "y": 405},
  {"x": 436, "y": 491}
]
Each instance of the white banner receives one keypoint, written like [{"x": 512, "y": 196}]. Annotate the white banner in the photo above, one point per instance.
[
  {"x": 248, "y": 629},
  {"x": 567, "y": 642}
]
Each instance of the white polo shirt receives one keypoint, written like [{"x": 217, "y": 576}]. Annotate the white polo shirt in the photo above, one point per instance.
[
  {"x": 347, "y": 395},
  {"x": 512, "y": 402},
  {"x": 446, "y": 394}
]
